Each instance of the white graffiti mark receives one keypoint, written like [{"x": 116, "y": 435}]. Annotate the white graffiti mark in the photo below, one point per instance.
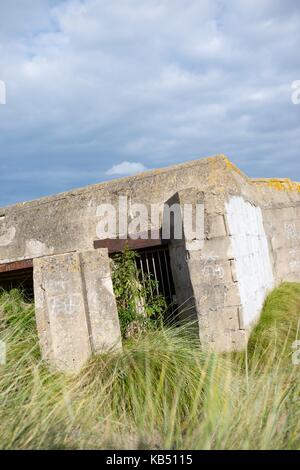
[
  {"x": 7, "y": 236},
  {"x": 291, "y": 232},
  {"x": 65, "y": 305},
  {"x": 294, "y": 252},
  {"x": 211, "y": 268}
]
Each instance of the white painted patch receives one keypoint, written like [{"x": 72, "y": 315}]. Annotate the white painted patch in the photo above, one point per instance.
[
  {"x": 7, "y": 236},
  {"x": 35, "y": 248},
  {"x": 251, "y": 253}
]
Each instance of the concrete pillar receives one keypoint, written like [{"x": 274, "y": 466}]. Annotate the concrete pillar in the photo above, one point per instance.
[
  {"x": 180, "y": 248},
  {"x": 76, "y": 311},
  {"x": 203, "y": 277}
]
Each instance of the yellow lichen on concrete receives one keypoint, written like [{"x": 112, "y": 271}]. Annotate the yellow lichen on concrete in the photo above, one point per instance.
[
  {"x": 232, "y": 166},
  {"x": 279, "y": 184}
]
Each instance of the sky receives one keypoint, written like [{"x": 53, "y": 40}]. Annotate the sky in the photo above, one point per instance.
[{"x": 99, "y": 89}]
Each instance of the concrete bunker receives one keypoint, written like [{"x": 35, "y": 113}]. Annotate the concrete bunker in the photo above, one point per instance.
[{"x": 250, "y": 243}]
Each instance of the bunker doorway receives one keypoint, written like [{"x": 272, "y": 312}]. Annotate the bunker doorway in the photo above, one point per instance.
[
  {"x": 18, "y": 275},
  {"x": 155, "y": 262}
]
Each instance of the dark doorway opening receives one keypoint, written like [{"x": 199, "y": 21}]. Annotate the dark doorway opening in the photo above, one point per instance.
[
  {"x": 18, "y": 276},
  {"x": 156, "y": 263},
  {"x": 154, "y": 260}
]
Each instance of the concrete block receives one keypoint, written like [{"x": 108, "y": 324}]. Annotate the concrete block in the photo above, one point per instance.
[
  {"x": 216, "y": 226},
  {"x": 239, "y": 340},
  {"x": 219, "y": 331},
  {"x": 76, "y": 311},
  {"x": 278, "y": 242},
  {"x": 217, "y": 248},
  {"x": 241, "y": 318},
  {"x": 223, "y": 319},
  {"x": 232, "y": 295},
  {"x": 233, "y": 271},
  {"x": 209, "y": 297},
  {"x": 207, "y": 269}
]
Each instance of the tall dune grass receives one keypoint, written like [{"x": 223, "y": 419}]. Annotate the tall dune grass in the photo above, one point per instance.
[{"x": 161, "y": 392}]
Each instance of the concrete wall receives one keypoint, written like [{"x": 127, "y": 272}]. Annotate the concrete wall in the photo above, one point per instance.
[
  {"x": 281, "y": 215},
  {"x": 251, "y": 238},
  {"x": 250, "y": 250},
  {"x": 75, "y": 306}
]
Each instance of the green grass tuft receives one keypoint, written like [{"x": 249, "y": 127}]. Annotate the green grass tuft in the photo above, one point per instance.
[
  {"x": 161, "y": 392},
  {"x": 278, "y": 326}
]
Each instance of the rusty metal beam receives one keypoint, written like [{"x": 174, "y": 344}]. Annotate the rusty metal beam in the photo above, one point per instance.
[
  {"x": 116, "y": 244},
  {"x": 16, "y": 266}
]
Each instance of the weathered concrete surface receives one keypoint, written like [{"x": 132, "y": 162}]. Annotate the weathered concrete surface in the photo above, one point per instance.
[
  {"x": 251, "y": 239},
  {"x": 68, "y": 222},
  {"x": 76, "y": 311},
  {"x": 204, "y": 277}
]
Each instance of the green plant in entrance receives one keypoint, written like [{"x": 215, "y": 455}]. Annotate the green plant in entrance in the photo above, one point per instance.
[{"x": 139, "y": 305}]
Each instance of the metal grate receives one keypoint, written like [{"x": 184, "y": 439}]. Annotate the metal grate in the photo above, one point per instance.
[{"x": 156, "y": 263}]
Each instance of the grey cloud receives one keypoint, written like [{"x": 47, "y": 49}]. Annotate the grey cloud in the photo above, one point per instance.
[{"x": 92, "y": 84}]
